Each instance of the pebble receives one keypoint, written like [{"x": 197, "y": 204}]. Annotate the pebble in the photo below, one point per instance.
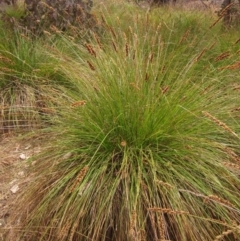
[
  {"x": 22, "y": 156},
  {"x": 14, "y": 189}
]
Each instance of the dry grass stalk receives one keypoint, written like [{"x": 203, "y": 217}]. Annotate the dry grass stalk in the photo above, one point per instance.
[
  {"x": 167, "y": 211},
  {"x": 80, "y": 9},
  {"x": 146, "y": 77},
  {"x": 232, "y": 66},
  {"x": 135, "y": 86},
  {"x": 127, "y": 49},
  {"x": 25, "y": 37},
  {"x": 191, "y": 192},
  {"x": 227, "y": 232},
  {"x": 219, "y": 123},
  {"x": 150, "y": 57},
  {"x": 231, "y": 165},
  {"x": 161, "y": 226},
  {"x": 236, "y": 86},
  {"x": 112, "y": 32},
  {"x": 79, "y": 178},
  {"x": 213, "y": 220},
  {"x": 133, "y": 224},
  {"x": 218, "y": 199},
  {"x": 79, "y": 103},
  {"x": 200, "y": 55},
  {"x": 91, "y": 65},
  {"x": 90, "y": 49},
  {"x": 79, "y": 20},
  {"x": 135, "y": 41},
  {"x": 147, "y": 19},
  {"x": 5, "y": 60},
  {"x": 73, "y": 231},
  {"x": 158, "y": 27},
  {"x": 114, "y": 46},
  {"x": 165, "y": 184},
  {"x": 152, "y": 218},
  {"x": 7, "y": 70},
  {"x": 124, "y": 35},
  {"x": 134, "y": 55},
  {"x": 55, "y": 29},
  {"x": 237, "y": 41},
  {"x": 131, "y": 31},
  {"x": 103, "y": 19},
  {"x": 224, "y": 11},
  {"x": 220, "y": 17},
  {"x": 163, "y": 69},
  {"x": 133, "y": 219},
  {"x": 223, "y": 234},
  {"x": 164, "y": 89},
  {"x": 206, "y": 89},
  {"x": 46, "y": 33},
  {"x": 49, "y": 7},
  {"x": 63, "y": 233},
  {"x": 47, "y": 110},
  {"x": 210, "y": 198},
  {"x": 223, "y": 56},
  {"x": 234, "y": 156},
  {"x": 143, "y": 235},
  {"x": 97, "y": 39},
  {"x": 184, "y": 37},
  {"x": 221, "y": 14},
  {"x": 212, "y": 45},
  {"x": 73, "y": 30},
  {"x": 71, "y": 38}
]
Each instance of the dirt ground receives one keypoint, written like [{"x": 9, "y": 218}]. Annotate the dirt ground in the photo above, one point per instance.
[{"x": 15, "y": 155}]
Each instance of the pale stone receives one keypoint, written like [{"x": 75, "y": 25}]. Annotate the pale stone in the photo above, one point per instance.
[
  {"x": 14, "y": 188},
  {"x": 22, "y": 156}
]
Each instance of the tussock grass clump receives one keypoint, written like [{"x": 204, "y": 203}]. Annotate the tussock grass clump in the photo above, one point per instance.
[
  {"x": 30, "y": 82},
  {"x": 148, "y": 149}
]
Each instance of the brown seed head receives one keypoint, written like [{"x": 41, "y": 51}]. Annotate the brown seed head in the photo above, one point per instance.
[
  {"x": 90, "y": 49},
  {"x": 79, "y": 178},
  {"x": 218, "y": 199},
  {"x": 79, "y": 103},
  {"x": 223, "y": 56},
  {"x": 91, "y": 65},
  {"x": 219, "y": 123}
]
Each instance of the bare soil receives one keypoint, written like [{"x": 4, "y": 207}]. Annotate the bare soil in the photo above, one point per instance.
[{"x": 15, "y": 155}]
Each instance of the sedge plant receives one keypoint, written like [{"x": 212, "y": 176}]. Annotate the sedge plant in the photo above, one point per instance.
[
  {"x": 148, "y": 148},
  {"x": 30, "y": 80}
]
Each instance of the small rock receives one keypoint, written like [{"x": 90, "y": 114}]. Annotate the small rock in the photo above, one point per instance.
[
  {"x": 22, "y": 156},
  {"x": 21, "y": 174},
  {"x": 14, "y": 188}
]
